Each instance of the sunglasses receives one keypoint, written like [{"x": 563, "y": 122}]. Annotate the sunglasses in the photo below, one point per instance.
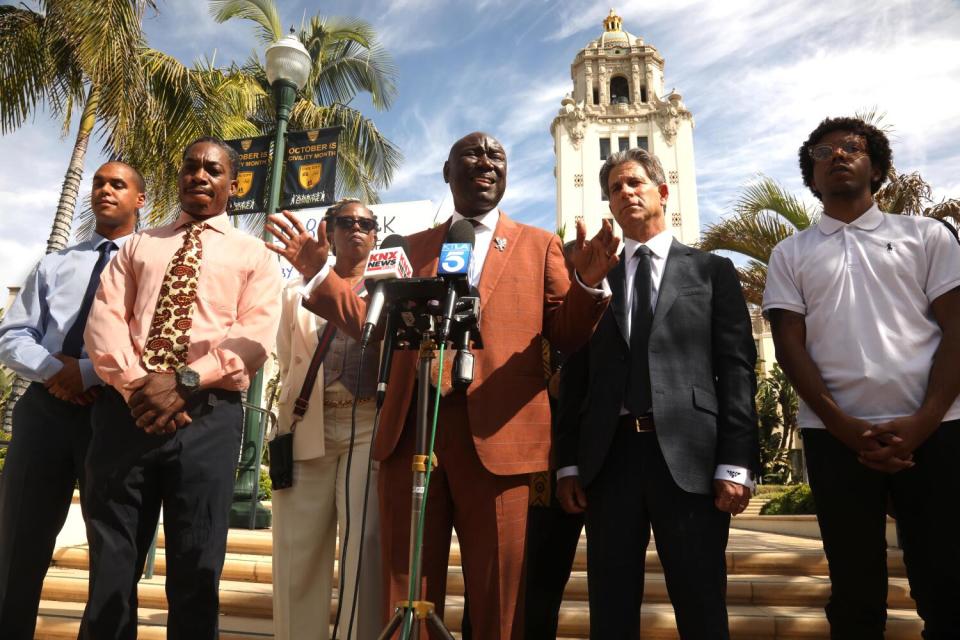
[{"x": 347, "y": 223}]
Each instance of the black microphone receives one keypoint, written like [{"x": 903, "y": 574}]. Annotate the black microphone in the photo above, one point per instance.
[
  {"x": 456, "y": 258},
  {"x": 386, "y": 263},
  {"x": 468, "y": 317},
  {"x": 386, "y": 360}
]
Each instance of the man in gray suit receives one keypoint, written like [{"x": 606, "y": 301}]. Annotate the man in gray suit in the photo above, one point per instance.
[{"x": 667, "y": 431}]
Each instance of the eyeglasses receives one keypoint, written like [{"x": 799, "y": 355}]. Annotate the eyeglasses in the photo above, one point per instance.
[
  {"x": 347, "y": 222},
  {"x": 826, "y": 151}
]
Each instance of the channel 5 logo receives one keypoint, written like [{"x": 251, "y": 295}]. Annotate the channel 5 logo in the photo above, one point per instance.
[{"x": 455, "y": 259}]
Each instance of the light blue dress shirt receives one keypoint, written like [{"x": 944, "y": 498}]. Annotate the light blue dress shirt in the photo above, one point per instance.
[{"x": 34, "y": 327}]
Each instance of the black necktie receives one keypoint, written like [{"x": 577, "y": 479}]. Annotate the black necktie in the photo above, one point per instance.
[
  {"x": 638, "y": 399},
  {"x": 73, "y": 341}
]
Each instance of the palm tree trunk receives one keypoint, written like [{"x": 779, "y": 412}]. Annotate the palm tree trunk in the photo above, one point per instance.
[{"x": 63, "y": 220}]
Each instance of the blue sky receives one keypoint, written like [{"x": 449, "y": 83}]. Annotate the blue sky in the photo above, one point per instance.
[{"x": 758, "y": 75}]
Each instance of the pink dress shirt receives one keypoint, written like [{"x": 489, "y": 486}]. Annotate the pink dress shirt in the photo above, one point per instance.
[{"x": 235, "y": 319}]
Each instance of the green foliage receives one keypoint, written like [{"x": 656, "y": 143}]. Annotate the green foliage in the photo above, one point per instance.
[
  {"x": 797, "y": 500},
  {"x": 777, "y": 407},
  {"x": 266, "y": 489}
]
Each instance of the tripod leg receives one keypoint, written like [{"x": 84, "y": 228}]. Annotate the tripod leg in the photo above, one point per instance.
[
  {"x": 434, "y": 620},
  {"x": 393, "y": 625}
]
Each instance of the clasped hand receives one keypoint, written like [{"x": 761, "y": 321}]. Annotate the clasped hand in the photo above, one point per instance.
[
  {"x": 67, "y": 384},
  {"x": 157, "y": 404},
  {"x": 889, "y": 446}
]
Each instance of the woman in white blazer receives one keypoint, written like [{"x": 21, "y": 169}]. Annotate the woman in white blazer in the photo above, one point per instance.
[{"x": 307, "y": 516}]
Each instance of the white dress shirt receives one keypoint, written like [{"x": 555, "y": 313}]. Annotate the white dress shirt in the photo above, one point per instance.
[{"x": 659, "y": 246}]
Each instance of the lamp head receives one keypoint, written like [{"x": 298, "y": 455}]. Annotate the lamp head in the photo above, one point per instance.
[{"x": 288, "y": 60}]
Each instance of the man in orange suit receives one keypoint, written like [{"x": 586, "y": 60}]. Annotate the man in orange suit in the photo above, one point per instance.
[{"x": 493, "y": 435}]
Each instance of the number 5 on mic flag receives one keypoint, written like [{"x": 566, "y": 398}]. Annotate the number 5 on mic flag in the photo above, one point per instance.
[
  {"x": 311, "y": 168},
  {"x": 455, "y": 259}
]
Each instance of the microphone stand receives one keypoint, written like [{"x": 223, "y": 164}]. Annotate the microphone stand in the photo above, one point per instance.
[
  {"x": 415, "y": 610},
  {"x": 422, "y": 335}
]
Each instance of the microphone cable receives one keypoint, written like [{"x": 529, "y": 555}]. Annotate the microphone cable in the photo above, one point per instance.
[{"x": 388, "y": 353}]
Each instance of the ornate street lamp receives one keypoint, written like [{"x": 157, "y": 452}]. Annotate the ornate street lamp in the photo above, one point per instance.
[{"x": 288, "y": 67}]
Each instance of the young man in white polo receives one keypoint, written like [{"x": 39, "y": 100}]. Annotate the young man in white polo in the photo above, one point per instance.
[{"x": 865, "y": 309}]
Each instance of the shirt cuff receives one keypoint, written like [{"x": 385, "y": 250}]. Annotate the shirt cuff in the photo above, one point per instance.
[
  {"x": 88, "y": 374},
  {"x": 565, "y": 472},
  {"x": 307, "y": 289},
  {"x": 603, "y": 292},
  {"x": 733, "y": 473},
  {"x": 48, "y": 368}
]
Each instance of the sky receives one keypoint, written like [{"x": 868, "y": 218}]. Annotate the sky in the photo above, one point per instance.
[{"x": 758, "y": 76}]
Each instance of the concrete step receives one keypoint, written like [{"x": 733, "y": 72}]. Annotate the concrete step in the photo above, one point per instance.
[
  {"x": 794, "y": 562},
  {"x": 251, "y": 599},
  {"x": 59, "y": 620}
]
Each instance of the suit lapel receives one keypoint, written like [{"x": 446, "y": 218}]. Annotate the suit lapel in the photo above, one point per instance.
[
  {"x": 496, "y": 260},
  {"x": 618, "y": 304},
  {"x": 307, "y": 326},
  {"x": 674, "y": 275},
  {"x": 428, "y": 246}
]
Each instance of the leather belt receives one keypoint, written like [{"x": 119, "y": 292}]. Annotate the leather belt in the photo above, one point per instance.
[{"x": 643, "y": 424}]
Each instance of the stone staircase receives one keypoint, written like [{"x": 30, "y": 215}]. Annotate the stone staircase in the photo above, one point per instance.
[{"x": 777, "y": 588}]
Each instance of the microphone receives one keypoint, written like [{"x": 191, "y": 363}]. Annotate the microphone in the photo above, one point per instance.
[
  {"x": 386, "y": 263},
  {"x": 468, "y": 317},
  {"x": 456, "y": 258},
  {"x": 386, "y": 360}
]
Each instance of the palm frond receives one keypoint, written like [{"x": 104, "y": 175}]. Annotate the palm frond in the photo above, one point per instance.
[
  {"x": 26, "y": 75},
  {"x": 766, "y": 194},
  {"x": 753, "y": 280},
  {"x": 906, "y": 193},
  {"x": 754, "y": 236},
  {"x": 347, "y": 60},
  {"x": 944, "y": 209},
  {"x": 263, "y": 12}
]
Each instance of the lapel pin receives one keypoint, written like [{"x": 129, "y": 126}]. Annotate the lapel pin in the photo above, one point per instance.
[{"x": 500, "y": 243}]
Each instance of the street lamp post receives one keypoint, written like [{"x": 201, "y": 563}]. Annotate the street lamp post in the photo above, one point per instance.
[{"x": 288, "y": 67}]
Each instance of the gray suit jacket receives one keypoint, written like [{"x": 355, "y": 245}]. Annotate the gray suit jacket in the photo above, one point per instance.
[{"x": 702, "y": 369}]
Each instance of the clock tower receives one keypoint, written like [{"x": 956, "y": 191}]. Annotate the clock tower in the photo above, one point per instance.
[{"x": 618, "y": 101}]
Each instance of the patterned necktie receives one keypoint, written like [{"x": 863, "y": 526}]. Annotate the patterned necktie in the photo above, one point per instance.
[
  {"x": 73, "y": 341},
  {"x": 169, "y": 337},
  {"x": 639, "y": 399}
]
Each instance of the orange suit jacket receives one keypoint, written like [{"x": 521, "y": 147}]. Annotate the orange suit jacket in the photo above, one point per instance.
[{"x": 524, "y": 293}]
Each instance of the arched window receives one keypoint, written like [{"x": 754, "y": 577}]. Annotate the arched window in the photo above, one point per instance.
[{"x": 619, "y": 90}]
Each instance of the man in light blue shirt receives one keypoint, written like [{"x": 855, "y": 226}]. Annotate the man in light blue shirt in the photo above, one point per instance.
[{"x": 41, "y": 339}]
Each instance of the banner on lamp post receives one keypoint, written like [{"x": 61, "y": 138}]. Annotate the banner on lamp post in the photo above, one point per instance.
[
  {"x": 253, "y": 172},
  {"x": 310, "y": 174}
]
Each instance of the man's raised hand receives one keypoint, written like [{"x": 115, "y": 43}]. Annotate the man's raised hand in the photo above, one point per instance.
[
  {"x": 306, "y": 253},
  {"x": 594, "y": 259}
]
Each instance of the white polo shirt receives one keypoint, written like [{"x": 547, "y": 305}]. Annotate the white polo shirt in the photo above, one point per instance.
[{"x": 865, "y": 290}]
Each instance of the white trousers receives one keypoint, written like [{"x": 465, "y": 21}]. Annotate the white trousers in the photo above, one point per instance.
[{"x": 306, "y": 518}]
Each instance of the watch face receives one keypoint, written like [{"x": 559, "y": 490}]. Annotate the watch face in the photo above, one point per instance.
[{"x": 188, "y": 378}]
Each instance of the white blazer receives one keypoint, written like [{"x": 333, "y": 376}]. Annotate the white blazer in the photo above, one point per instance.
[{"x": 297, "y": 341}]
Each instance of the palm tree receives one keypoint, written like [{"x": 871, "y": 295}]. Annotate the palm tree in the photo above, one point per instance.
[
  {"x": 181, "y": 104},
  {"x": 347, "y": 60},
  {"x": 70, "y": 56}
]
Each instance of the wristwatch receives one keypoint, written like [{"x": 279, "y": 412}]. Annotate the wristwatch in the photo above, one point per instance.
[{"x": 187, "y": 379}]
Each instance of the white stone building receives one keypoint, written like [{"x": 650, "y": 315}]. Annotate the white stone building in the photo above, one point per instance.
[{"x": 618, "y": 101}]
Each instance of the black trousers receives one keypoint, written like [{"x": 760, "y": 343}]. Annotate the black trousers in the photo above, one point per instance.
[
  {"x": 851, "y": 509},
  {"x": 552, "y": 537},
  {"x": 633, "y": 492},
  {"x": 44, "y": 462},
  {"x": 129, "y": 475}
]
